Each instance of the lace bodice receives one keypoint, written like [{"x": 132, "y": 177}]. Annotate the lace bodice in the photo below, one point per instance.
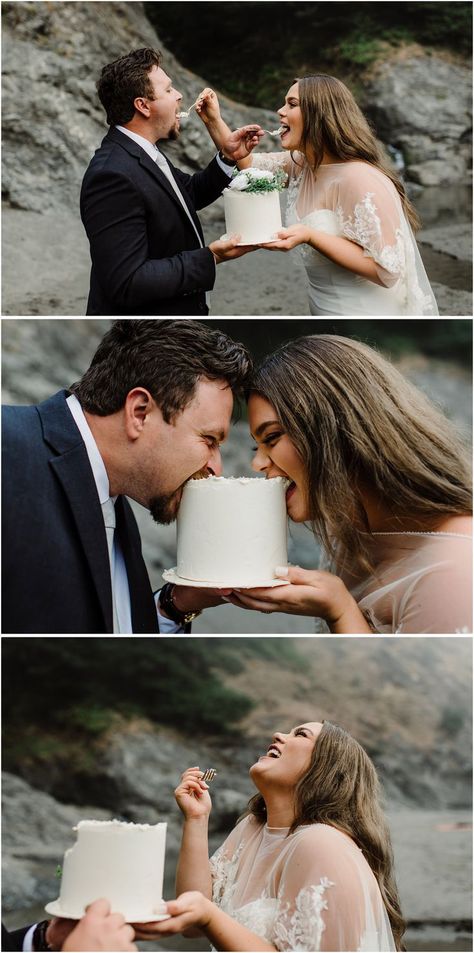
[
  {"x": 312, "y": 890},
  {"x": 356, "y": 201}
]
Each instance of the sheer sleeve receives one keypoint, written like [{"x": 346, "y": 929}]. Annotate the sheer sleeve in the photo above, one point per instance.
[
  {"x": 329, "y": 898},
  {"x": 369, "y": 212},
  {"x": 224, "y": 862},
  {"x": 438, "y": 600},
  {"x": 271, "y": 161}
]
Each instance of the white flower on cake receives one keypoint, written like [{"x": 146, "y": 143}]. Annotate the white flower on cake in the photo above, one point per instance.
[{"x": 258, "y": 180}]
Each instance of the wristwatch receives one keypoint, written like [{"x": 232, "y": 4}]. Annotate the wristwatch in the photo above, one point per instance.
[
  {"x": 165, "y": 600},
  {"x": 225, "y": 159}
]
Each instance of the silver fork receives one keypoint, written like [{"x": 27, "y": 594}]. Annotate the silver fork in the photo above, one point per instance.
[
  {"x": 185, "y": 114},
  {"x": 273, "y": 132},
  {"x": 209, "y": 774}
]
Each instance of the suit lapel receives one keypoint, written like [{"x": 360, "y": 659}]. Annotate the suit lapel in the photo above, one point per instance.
[
  {"x": 73, "y": 471},
  {"x": 144, "y": 159}
]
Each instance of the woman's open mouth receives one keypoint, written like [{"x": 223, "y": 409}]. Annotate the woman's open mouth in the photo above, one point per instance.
[{"x": 284, "y": 130}]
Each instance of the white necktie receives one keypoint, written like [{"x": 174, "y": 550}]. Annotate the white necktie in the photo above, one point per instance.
[
  {"x": 108, "y": 512},
  {"x": 163, "y": 165}
]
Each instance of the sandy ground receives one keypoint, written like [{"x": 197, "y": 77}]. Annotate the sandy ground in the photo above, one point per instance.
[
  {"x": 433, "y": 873},
  {"x": 46, "y": 272}
]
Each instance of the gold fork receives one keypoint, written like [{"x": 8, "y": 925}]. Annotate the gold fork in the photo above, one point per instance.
[{"x": 209, "y": 774}]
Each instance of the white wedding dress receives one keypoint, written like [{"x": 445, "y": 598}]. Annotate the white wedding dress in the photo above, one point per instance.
[
  {"x": 357, "y": 201},
  {"x": 312, "y": 890}
]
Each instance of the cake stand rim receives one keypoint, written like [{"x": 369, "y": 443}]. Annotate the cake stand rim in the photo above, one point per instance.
[
  {"x": 170, "y": 575},
  {"x": 262, "y": 241},
  {"x": 55, "y": 908}
]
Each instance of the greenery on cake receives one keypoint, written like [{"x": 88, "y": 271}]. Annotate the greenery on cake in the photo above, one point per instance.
[{"x": 258, "y": 181}]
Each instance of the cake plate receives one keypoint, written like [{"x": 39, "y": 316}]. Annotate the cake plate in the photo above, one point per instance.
[
  {"x": 57, "y": 910},
  {"x": 171, "y": 575},
  {"x": 261, "y": 241}
]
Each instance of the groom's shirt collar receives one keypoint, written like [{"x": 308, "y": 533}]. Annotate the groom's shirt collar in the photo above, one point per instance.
[
  {"x": 149, "y": 147},
  {"x": 97, "y": 464},
  {"x": 153, "y": 151}
]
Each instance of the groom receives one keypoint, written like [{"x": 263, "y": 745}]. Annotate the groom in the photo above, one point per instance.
[
  {"x": 139, "y": 211},
  {"x": 148, "y": 414}
]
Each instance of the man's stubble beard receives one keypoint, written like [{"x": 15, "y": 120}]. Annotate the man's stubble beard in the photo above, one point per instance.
[{"x": 164, "y": 508}]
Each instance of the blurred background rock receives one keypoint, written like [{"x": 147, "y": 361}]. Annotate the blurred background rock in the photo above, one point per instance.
[
  {"x": 408, "y": 64},
  {"x": 103, "y": 727},
  {"x": 42, "y": 356}
]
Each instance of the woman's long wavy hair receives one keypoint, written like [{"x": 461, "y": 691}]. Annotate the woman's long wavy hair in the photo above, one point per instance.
[
  {"x": 357, "y": 422},
  {"x": 332, "y": 121},
  {"x": 341, "y": 788}
]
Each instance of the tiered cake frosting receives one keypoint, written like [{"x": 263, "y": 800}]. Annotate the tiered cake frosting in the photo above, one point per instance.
[
  {"x": 122, "y": 862},
  {"x": 232, "y": 532}
]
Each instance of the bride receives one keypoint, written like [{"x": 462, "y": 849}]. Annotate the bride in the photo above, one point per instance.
[
  {"x": 384, "y": 482},
  {"x": 347, "y": 211},
  {"x": 309, "y": 866}
]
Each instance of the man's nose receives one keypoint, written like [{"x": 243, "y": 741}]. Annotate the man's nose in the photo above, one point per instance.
[
  {"x": 214, "y": 464},
  {"x": 179, "y": 96}
]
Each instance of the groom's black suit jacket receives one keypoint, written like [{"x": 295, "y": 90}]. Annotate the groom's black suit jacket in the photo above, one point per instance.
[
  {"x": 145, "y": 253},
  {"x": 13, "y": 940},
  {"x": 55, "y": 563}
]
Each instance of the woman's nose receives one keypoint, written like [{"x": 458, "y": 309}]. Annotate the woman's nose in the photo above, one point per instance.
[
  {"x": 260, "y": 462},
  {"x": 280, "y": 111},
  {"x": 279, "y": 736}
]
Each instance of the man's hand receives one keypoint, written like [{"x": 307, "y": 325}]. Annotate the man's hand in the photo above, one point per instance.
[
  {"x": 225, "y": 249},
  {"x": 240, "y": 143},
  {"x": 189, "y": 599},
  {"x": 100, "y": 930},
  {"x": 58, "y": 931}
]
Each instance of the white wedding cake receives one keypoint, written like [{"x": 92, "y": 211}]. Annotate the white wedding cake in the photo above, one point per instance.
[
  {"x": 252, "y": 205},
  {"x": 119, "y": 861},
  {"x": 231, "y": 532}
]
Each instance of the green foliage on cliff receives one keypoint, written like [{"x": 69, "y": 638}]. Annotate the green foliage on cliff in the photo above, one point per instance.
[
  {"x": 253, "y": 51},
  {"x": 60, "y": 694},
  {"x": 443, "y": 340}
]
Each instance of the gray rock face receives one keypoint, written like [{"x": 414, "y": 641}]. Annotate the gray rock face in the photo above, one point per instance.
[
  {"x": 56, "y": 51},
  {"x": 422, "y": 105},
  {"x": 37, "y": 829}
]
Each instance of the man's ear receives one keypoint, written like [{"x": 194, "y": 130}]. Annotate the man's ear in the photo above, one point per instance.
[
  {"x": 142, "y": 106},
  {"x": 139, "y": 404}
]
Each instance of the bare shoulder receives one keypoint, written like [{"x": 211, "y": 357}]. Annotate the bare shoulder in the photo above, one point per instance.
[{"x": 459, "y": 524}]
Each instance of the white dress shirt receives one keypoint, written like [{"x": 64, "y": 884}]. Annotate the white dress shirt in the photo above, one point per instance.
[{"x": 120, "y": 579}]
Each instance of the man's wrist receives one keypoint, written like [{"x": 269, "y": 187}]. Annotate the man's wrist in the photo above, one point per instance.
[
  {"x": 169, "y": 608},
  {"x": 227, "y": 160}
]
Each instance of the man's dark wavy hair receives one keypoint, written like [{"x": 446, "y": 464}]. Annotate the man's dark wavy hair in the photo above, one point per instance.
[
  {"x": 167, "y": 358},
  {"x": 122, "y": 81}
]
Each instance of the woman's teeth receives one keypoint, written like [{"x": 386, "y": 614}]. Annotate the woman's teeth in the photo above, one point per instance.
[{"x": 273, "y": 752}]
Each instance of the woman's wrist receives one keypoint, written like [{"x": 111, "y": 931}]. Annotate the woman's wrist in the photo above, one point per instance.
[{"x": 350, "y": 620}]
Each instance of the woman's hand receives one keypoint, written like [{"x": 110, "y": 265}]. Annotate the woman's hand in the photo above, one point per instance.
[
  {"x": 188, "y": 911},
  {"x": 207, "y": 106},
  {"x": 310, "y": 592},
  {"x": 289, "y": 238},
  {"x": 192, "y": 795}
]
